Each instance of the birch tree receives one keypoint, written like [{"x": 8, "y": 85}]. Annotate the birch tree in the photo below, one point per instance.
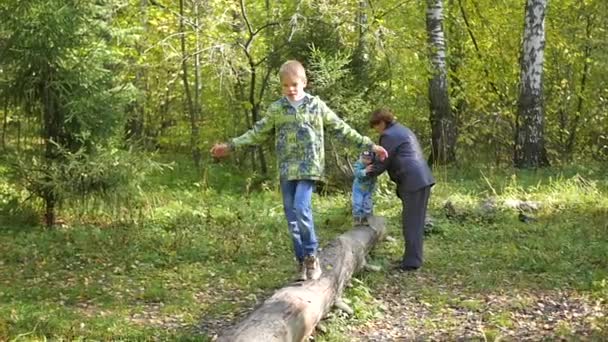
[
  {"x": 443, "y": 122},
  {"x": 530, "y": 149}
]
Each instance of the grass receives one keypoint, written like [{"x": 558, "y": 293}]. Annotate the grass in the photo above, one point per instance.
[{"x": 200, "y": 250}]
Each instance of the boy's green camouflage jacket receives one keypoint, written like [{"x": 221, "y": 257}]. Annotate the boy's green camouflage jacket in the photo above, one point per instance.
[{"x": 299, "y": 136}]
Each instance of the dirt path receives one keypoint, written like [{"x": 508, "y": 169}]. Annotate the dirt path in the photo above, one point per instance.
[{"x": 414, "y": 307}]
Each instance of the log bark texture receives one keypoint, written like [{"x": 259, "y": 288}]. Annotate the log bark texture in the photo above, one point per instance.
[{"x": 292, "y": 313}]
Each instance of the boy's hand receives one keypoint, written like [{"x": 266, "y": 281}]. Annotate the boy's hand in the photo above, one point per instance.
[
  {"x": 369, "y": 168},
  {"x": 220, "y": 150},
  {"x": 380, "y": 152}
]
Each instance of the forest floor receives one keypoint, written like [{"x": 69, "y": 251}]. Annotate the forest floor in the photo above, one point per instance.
[
  {"x": 428, "y": 305},
  {"x": 193, "y": 256}
]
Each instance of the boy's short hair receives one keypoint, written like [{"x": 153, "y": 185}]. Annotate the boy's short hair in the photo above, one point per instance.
[
  {"x": 381, "y": 115},
  {"x": 294, "y": 68}
]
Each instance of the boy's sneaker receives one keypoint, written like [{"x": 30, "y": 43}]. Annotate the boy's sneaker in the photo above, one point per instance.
[
  {"x": 301, "y": 272},
  {"x": 313, "y": 268},
  {"x": 365, "y": 221}
]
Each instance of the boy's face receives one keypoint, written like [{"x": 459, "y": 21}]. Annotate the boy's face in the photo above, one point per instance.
[{"x": 292, "y": 87}]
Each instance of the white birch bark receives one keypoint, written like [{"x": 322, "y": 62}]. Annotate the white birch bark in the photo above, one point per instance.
[
  {"x": 529, "y": 144},
  {"x": 443, "y": 123}
]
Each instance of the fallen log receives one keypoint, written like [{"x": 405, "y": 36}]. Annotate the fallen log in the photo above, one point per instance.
[{"x": 292, "y": 312}]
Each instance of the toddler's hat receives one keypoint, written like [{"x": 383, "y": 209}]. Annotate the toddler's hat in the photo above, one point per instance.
[{"x": 367, "y": 154}]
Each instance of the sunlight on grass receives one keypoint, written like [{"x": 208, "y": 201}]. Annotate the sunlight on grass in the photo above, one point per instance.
[{"x": 199, "y": 251}]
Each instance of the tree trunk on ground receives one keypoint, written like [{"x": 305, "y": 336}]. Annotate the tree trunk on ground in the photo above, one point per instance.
[
  {"x": 443, "y": 123},
  {"x": 529, "y": 135},
  {"x": 292, "y": 313}
]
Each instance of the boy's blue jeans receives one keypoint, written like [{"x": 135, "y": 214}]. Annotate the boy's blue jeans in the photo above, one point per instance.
[
  {"x": 297, "y": 203},
  {"x": 362, "y": 202}
]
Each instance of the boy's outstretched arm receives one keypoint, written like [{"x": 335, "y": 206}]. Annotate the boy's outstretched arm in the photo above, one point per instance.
[
  {"x": 342, "y": 129},
  {"x": 254, "y": 136}
]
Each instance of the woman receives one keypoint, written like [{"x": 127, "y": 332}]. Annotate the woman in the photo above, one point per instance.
[{"x": 410, "y": 172}]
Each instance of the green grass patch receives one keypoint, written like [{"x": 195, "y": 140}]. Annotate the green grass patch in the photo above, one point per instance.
[{"x": 213, "y": 244}]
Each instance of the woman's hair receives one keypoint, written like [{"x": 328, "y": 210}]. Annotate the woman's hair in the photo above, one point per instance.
[{"x": 381, "y": 115}]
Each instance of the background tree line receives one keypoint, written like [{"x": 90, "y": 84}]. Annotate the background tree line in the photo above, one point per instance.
[{"x": 85, "y": 87}]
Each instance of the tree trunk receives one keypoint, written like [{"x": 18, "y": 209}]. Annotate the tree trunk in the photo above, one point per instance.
[
  {"x": 253, "y": 64},
  {"x": 580, "y": 99},
  {"x": 239, "y": 89},
  {"x": 529, "y": 135},
  {"x": 19, "y": 135},
  {"x": 52, "y": 124},
  {"x": 443, "y": 123},
  {"x": 292, "y": 313},
  {"x": 135, "y": 122},
  {"x": 198, "y": 88},
  {"x": 4, "y": 125},
  {"x": 361, "y": 63},
  {"x": 189, "y": 101},
  {"x": 255, "y": 114},
  {"x": 197, "y": 55},
  {"x": 165, "y": 120},
  {"x": 455, "y": 63}
]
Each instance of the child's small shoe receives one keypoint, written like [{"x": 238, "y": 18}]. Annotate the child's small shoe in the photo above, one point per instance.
[
  {"x": 365, "y": 221},
  {"x": 313, "y": 267},
  {"x": 301, "y": 275}
]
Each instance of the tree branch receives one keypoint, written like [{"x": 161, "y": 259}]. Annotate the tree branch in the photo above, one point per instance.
[
  {"x": 177, "y": 14},
  {"x": 478, "y": 51},
  {"x": 390, "y": 10},
  {"x": 274, "y": 23},
  {"x": 244, "y": 14}
]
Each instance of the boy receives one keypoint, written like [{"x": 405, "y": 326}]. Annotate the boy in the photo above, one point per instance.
[
  {"x": 363, "y": 189},
  {"x": 298, "y": 120}
]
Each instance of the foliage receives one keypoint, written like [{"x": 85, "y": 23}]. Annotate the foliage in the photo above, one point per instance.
[
  {"x": 114, "y": 176},
  {"x": 576, "y": 93},
  {"x": 13, "y": 209},
  {"x": 130, "y": 50},
  {"x": 62, "y": 49},
  {"x": 60, "y": 69}
]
